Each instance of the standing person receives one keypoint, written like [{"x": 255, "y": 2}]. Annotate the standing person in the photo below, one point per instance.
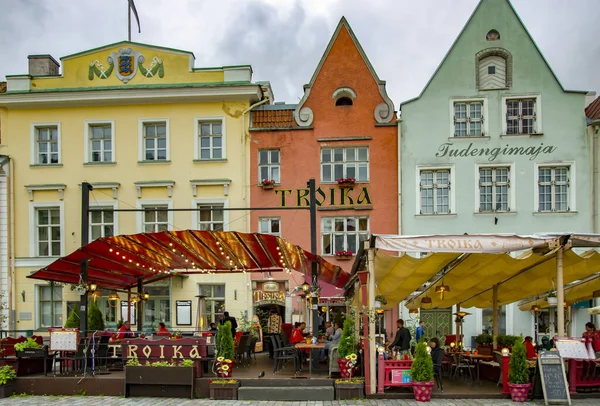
[
  {"x": 274, "y": 323},
  {"x": 420, "y": 331},
  {"x": 529, "y": 348},
  {"x": 227, "y": 318},
  {"x": 402, "y": 340},
  {"x": 592, "y": 336}
]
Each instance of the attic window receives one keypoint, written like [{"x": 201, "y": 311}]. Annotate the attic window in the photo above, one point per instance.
[
  {"x": 493, "y": 35},
  {"x": 491, "y": 70},
  {"x": 343, "y": 101}
]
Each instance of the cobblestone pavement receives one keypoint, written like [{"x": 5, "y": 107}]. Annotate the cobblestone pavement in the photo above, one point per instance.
[{"x": 114, "y": 401}]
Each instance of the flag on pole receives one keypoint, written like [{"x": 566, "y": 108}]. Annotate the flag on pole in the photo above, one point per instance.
[{"x": 135, "y": 13}]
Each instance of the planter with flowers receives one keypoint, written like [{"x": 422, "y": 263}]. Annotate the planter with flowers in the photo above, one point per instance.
[
  {"x": 348, "y": 359},
  {"x": 518, "y": 373},
  {"x": 29, "y": 348},
  {"x": 160, "y": 378},
  {"x": 344, "y": 255},
  {"x": 223, "y": 366},
  {"x": 7, "y": 376},
  {"x": 346, "y": 182},
  {"x": 421, "y": 373},
  {"x": 267, "y": 184},
  {"x": 351, "y": 388},
  {"x": 223, "y": 389},
  {"x": 551, "y": 298}
]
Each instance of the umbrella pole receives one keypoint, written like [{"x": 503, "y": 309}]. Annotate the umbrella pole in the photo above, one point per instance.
[
  {"x": 495, "y": 316},
  {"x": 560, "y": 293}
]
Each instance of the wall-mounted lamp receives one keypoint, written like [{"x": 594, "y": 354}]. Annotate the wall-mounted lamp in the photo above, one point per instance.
[
  {"x": 146, "y": 295},
  {"x": 305, "y": 287}
]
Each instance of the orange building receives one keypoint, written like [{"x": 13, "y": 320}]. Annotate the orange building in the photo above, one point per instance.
[{"x": 343, "y": 133}]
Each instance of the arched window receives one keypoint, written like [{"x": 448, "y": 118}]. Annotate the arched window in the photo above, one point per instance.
[
  {"x": 343, "y": 101},
  {"x": 493, "y": 69},
  {"x": 344, "y": 96},
  {"x": 492, "y": 35}
]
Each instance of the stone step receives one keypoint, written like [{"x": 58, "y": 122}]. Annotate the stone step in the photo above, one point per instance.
[
  {"x": 297, "y": 382},
  {"x": 316, "y": 393}
]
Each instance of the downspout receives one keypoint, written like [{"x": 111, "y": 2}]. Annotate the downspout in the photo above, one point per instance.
[
  {"x": 12, "y": 273},
  {"x": 595, "y": 179},
  {"x": 399, "y": 121}
]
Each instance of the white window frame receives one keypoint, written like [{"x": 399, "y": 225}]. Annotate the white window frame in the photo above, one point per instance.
[
  {"x": 269, "y": 165},
  {"x": 572, "y": 204},
  {"x": 512, "y": 188},
  {"x": 538, "y": 113},
  {"x": 484, "y": 111},
  {"x": 452, "y": 170},
  {"x": 345, "y": 233},
  {"x": 141, "y": 144},
  {"x": 344, "y": 162},
  {"x": 212, "y": 299},
  {"x": 197, "y": 122},
  {"x": 196, "y": 213},
  {"x": 33, "y": 240},
  {"x": 87, "y": 148},
  {"x": 38, "y": 305},
  {"x": 140, "y": 204},
  {"x": 106, "y": 204},
  {"x": 270, "y": 221},
  {"x": 33, "y": 142}
]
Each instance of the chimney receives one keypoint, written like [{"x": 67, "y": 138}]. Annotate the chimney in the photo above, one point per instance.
[{"x": 43, "y": 65}]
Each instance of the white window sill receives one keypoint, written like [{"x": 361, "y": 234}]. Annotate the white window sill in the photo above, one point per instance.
[
  {"x": 335, "y": 183},
  {"x": 209, "y": 161},
  {"x": 482, "y": 138},
  {"x": 554, "y": 213},
  {"x": 155, "y": 161},
  {"x": 448, "y": 215},
  {"x": 99, "y": 163},
  {"x": 46, "y": 165},
  {"x": 517, "y": 136},
  {"x": 494, "y": 213}
]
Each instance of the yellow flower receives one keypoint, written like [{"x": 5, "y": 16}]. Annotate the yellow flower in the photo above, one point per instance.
[
  {"x": 228, "y": 361},
  {"x": 347, "y": 356},
  {"x": 225, "y": 367},
  {"x": 353, "y": 357},
  {"x": 220, "y": 359}
]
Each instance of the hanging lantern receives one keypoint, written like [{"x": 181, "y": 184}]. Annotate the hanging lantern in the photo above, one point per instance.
[
  {"x": 441, "y": 289},
  {"x": 426, "y": 302},
  {"x": 93, "y": 287}
]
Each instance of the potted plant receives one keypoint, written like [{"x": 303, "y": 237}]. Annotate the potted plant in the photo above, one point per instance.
[
  {"x": 346, "y": 182},
  {"x": 178, "y": 374},
  {"x": 267, "y": 184},
  {"x": 518, "y": 373},
  {"x": 224, "y": 351},
  {"x": 344, "y": 255},
  {"x": 223, "y": 389},
  {"x": 380, "y": 300},
  {"x": 421, "y": 373},
  {"x": 95, "y": 319},
  {"x": 352, "y": 388},
  {"x": 484, "y": 343},
  {"x": 7, "y": 376},
  {"x": 347, "y": 350},
  {"x": 29, "y": 348},
  {"x": 551, "y": 298}
]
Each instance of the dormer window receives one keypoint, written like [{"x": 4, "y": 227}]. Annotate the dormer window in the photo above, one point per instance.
[
  {"x": 343, "y": 101},
  {"x": 493, "y": 69},
  {"x": 344, "y": 96}
]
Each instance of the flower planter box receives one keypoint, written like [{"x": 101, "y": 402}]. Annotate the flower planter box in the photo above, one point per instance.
[
  {"x": 159, "y": 381},
  {"x": 6, "y": 390},
  {"x": 346, "y": 185},
  {"x": 349, "y": 391},
  {"x": 344, "y": 257},
  {"x": 31, "y": 353},
  {"x": 224, "y": 391},
  {"x": 268, "y": 187},
  {"x": 485, "y": 349}
]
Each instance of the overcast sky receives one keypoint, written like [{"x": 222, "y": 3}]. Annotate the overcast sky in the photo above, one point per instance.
[{"x": 283, "y": 40}]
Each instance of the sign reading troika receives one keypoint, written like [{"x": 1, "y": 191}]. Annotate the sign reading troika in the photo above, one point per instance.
[
  {"x": 333, "y": 196},
  {"x": 448, "y": 149}
]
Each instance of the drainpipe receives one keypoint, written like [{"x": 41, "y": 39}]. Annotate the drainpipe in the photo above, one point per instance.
[
  {"x": 399, "y": 121},
  {"x": 12, "y": 314},
  {"x": 595, "y": 178}
]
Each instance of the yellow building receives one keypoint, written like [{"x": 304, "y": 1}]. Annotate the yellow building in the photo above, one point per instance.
[{"x": 148, "y": 130}]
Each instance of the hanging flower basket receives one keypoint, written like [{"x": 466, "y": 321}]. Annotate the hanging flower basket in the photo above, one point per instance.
[
  {"x": 346, "y": 182},
  {"x": 519, "y": 392},
  {"x": 267, "y": 184},
  {"x": 552, "y": 301},
  {"x": 422, "y": 391},
  {"x": 344, "y": 255}
]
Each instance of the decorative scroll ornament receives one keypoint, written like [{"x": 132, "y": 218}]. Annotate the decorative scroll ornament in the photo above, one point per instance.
[{"x": 127, "y": 62}]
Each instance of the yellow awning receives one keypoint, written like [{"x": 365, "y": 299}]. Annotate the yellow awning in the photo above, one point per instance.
[{"x": 578, "y": 292}]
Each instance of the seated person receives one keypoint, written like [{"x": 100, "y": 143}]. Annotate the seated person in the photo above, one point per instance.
[
  {"x": 297, "y": 333},
  {"x": 162, "y": 330},
  {"x": 547, "y": 344},
  {"x": 328, "y": 329},
  {"x": 213, "y": 329},
  {"x": 380, "y": 344},
  {"x": 124, "y": 332},
  {"x": 529, "y": 348},
  {"x": 333, "y": 341}
]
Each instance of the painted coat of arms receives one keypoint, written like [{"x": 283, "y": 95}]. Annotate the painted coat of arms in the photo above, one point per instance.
[{"x": 127, "y": 62}]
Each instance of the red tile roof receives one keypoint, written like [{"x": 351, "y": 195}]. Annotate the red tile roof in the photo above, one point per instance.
[
  {"x": 592, "y": 111},
  {"x": 273, "y": 119}
]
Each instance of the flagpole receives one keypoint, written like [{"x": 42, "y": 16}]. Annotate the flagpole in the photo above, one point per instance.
[{"x": 128, "y": 21}]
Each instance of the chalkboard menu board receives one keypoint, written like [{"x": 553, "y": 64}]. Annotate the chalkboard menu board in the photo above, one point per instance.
[{"x": 554, "y": 380}]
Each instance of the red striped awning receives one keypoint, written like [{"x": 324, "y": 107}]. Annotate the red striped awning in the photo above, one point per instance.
[{"x": 118, "y": 262}]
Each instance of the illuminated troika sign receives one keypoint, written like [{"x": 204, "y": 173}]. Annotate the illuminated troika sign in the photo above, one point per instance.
[
  {"x": 333, "y": 196},
  {"x": 447, "y": 149}
]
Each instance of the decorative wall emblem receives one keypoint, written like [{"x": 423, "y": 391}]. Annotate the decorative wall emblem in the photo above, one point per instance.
[
  {"x": 127, "y": 63},
  {"x": 270, "y": 287}
]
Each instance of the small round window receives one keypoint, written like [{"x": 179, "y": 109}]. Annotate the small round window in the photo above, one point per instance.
[
  {"x": 493, "y": 35},
  {"x": 343, "y": 101}
]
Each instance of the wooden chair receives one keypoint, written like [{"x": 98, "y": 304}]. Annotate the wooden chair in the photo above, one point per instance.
[
  {"x": 281, "y": 356},
  {"x": 242, "y": 348}
]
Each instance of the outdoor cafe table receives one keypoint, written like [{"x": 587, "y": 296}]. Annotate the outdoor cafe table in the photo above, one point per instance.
[
  {"x": 310, "y": 347},
  {"x": 476, "y": 359}
]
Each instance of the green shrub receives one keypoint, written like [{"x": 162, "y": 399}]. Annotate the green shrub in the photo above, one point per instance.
[
  {"x": 347, "y": 343},
  {"x": 422, "y": 366},
  {"x": 484, "y": 339},
  {"x": 73, "y": 320},
  {"x": 30, "y": 343},
  {"x": 95, "y": 319},
  {"x": 225, "y": 341},
  {"x": 518, "y": 371},
  {"x": 7, "y": 374}
]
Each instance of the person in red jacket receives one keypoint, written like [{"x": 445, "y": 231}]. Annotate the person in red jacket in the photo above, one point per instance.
[
  {"x": 298, "y": 333},
  {"x": 529, "y": 348},
  {"x": 162, "y": 330}
]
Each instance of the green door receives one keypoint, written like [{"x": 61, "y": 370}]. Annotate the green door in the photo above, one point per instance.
[{"x": 438, "y": 323}]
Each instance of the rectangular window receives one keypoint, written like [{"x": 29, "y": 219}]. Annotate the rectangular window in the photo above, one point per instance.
[
  {"x": 553, "y": 189},
  {"x": 107, "y": 308},
  {"x": 494, "y": 184},
  {"x": 343, "y": 233},
  {"x": 468, "y": 119},
  {"x": 215, "y": 301},
  {"x": 158, "y": 307},
  {"x": 270, "y": 226},
  {"x": 211, "y": 139},
  {"x": 435, "y": 191},
  {"x": 47, "y": 145},
  {"x": 210, "y": 217},
  {"x": 155, "y": 219},
  {"x": 337, "y": 163},
  {"x": 155, "y": 141},
  {"x": 50, "y": 305},
  {"x": 101, "y": 143},
  {"x": 268, "y": 165},
  {"x": 521, "y": 116},
  {"x": 47, "y": 224},
  {"x": 102, "y": 223}
]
